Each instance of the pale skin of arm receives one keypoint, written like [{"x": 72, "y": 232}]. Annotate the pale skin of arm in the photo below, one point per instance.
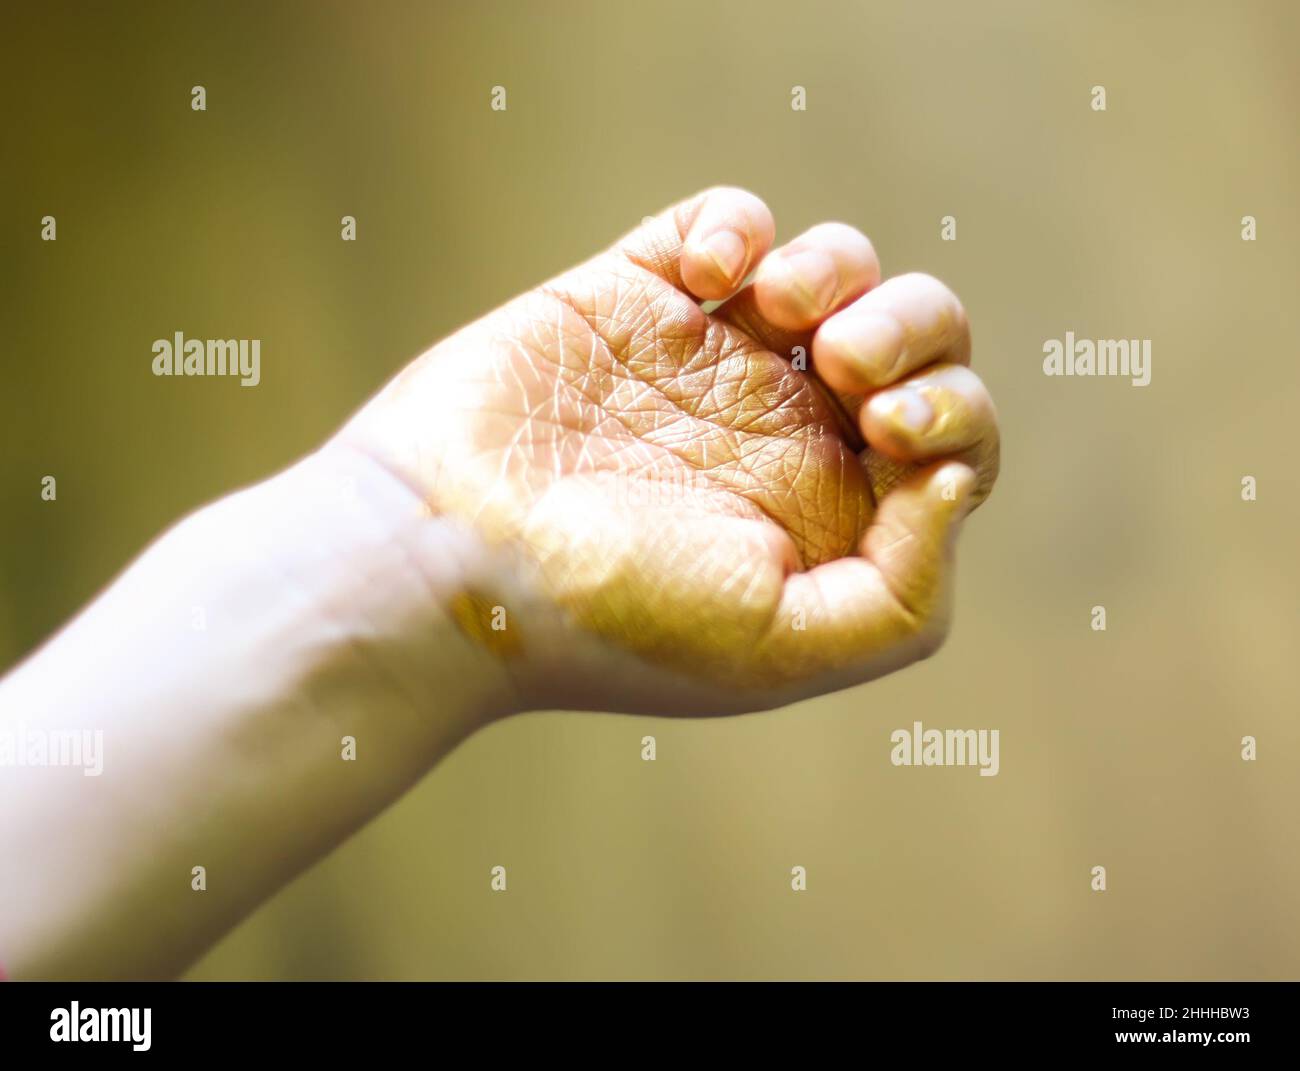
[{"x": 670, "y": 516}]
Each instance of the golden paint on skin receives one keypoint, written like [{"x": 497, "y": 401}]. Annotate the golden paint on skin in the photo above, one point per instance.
[
  {"x": 715, "y": 620},
  {"x": 947, "y": 409},
  {"x": 885, "y": 473},
  {"x": 844, "y": 408},
  {"x": 692, "y": 583},
  {"x": 685, "y": 594},
  {"x": 473, "y": 613}
]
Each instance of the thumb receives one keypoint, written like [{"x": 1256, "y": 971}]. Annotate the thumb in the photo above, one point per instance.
[
  {"x": 912, "y": 538},
  {"x": 860, "y": 617},
  {"x": 706, "y": 245}
]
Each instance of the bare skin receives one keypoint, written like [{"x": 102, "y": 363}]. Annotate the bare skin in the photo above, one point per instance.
[{"x": 599, "y": 496}]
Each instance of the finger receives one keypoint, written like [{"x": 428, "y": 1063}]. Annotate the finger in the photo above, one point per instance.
[
  {"x": 937, "y": 411},
  {"x": 706, "y": 245},
  {"x": 859, "y": 617},
  {"x": 942, "y": 411},
  {"x": 905, "y": 323},
  {"x": 800, "y": 284}
]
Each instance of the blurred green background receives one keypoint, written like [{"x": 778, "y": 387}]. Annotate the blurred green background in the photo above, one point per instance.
[{"x": 1119, "y": 748}]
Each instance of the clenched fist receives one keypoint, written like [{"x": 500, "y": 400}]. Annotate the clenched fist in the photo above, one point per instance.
[{"x": 701, "y": 511}]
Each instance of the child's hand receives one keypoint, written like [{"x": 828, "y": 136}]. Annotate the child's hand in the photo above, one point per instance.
[{"x": 686, "y": 515}]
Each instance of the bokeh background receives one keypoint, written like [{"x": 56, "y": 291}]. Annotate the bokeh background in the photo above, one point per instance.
[{"x": 1119, "y": 748}]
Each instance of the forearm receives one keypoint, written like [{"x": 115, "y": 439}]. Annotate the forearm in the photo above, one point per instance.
[{"x": 222, "y": 673}]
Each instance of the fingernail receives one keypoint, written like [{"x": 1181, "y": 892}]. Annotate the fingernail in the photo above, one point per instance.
[
  {"x": 870, "y": 343},
  {"x": 813, "y": 277},
  {"x": 726, "y": 249},
  {"x": 912, "y": 411}
]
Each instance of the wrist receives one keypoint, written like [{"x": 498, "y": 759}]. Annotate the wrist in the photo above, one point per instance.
[
  {"x": 381, "y": 577},
  {"x": 222, "y": 672}
]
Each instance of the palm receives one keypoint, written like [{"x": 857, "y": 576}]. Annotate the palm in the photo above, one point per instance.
[{"x": 615, "y": 380}]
